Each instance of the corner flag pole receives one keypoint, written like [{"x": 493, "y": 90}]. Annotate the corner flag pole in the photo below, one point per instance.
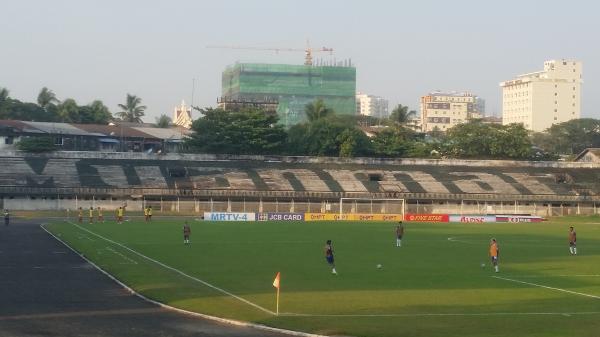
[{"x": 276, "y": 285}]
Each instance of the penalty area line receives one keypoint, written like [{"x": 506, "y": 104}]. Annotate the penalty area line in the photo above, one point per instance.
[
  {"x": 547, "y": 287},
  {"x": 223, "y": 291}
]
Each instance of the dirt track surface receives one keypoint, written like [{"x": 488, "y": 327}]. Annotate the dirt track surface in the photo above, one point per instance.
[{"x": 48, "y": 290}]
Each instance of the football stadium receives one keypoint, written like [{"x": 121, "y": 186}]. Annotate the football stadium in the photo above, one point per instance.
[{"x": 256, "y": 230}]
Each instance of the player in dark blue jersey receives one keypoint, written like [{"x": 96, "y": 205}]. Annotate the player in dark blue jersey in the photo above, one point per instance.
[{"x": 329, "y": 256}]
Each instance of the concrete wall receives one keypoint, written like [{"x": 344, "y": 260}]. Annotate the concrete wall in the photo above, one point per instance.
[{"x": 299, "y": 159}]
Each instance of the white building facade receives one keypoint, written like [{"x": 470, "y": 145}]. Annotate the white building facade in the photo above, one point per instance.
[
  {"x": 374, "y": 106},
  {"x": 442, "y": 110},
  {"x": 539, "y": 99}
]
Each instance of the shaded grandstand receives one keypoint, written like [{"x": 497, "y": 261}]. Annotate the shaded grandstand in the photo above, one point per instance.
[{"x": 124, "y": 176}]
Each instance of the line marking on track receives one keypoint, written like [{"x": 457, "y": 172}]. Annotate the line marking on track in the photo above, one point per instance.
[
  {"x": 560, "y": 275},
  {"x": 177, "y": 271},
  {"x": 547, "y": 287}
]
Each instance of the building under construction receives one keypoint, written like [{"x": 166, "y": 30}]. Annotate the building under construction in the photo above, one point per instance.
[{"x": 292, "y": 87}]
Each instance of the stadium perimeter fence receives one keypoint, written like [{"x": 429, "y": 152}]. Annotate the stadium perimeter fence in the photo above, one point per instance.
[{"x": 199, "y": 206}]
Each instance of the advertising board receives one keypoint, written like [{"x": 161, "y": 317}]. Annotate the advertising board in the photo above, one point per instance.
[
  {"x": 519, "y": 218},
  {"x": 229, "y": 216},
  {"x": 427, "y": 217},
  {"x": 351, "y": 217},
  {"x": 280, "y": 216},
  {"x": 472, "y": 218}
]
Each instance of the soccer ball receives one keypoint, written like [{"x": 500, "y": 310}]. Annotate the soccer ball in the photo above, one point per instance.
[
  {"x": 483, "y": 265},
  {"x": 379, "y": 266}
]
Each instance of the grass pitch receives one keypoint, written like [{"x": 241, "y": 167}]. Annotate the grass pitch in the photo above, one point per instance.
[{"x": 434, "y": 285}]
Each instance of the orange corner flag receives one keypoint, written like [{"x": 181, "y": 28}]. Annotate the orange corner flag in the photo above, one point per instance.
[{"x": 276, "y": 281}]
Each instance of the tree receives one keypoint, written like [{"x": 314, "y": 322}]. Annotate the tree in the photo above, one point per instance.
[
  {"x": 36, "y": 144},
  {"x": 163, "y": 121},
  {"x": 68, "y": 111},
  {"x": 4, "y": 98},
  {"x": 46, "y": 97},
  {"x": 132, "y": 110},
  {"x": 317, "y": 110},
  {"x": 95, "y": 112},
  {"x": 401, "y": 115},
  {"x": 570, "y": 137},
  {"x": 391, "y": 142},
  {"x": 248, "y": 131}
]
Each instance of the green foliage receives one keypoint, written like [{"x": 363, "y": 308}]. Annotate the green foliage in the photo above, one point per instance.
[
  {"x": 132, "y": 111},
  {"x": 36, "y": 144},
  {"x": 246, "y": 131},
  {"x": 49, "y": 109},
  {"x": 401, "y": 115},
  {"x": 46, "y": 97},
  {"x": 479, "y": 140},
  {"x": 163, "y": 121},
  {"x": 317, "y": 110},
  {"x": 570, "y": 137}
]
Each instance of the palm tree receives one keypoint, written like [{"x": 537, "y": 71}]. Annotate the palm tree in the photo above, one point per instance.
[
  {"x": 163, "y": 121},
  {"x": 132, "y": 110},
  {"x": 3, "y": 95},
  {"x": 401, "y": 115},
  {"x": 317, "y": 110},
  {"x": 46, "y": 97}
]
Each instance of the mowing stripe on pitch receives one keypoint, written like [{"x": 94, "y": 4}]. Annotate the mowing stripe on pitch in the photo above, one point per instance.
[
  {"x": 176, "y": 270},
  {"x": 547, "y": 287}
]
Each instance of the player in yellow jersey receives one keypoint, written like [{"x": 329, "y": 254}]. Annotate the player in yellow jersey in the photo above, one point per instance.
[
  {"x": 494, "y": 253},
  {"x": 80, "y": 215},
  {"x": 100, "y": 216},
  {"x": 120, "y": 212},
  {"x": 146, "y": 214},
  {"x": 91, "y": 214},
  {"x": 149, "y": 213}
]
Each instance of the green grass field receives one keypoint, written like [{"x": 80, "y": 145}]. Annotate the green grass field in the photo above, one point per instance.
[{"x": 432, "y": 286}]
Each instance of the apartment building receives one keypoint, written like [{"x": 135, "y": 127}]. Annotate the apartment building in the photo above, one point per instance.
[
  {"x": 443, "y": 110},
  {"x": 539, "y": 99},
  {"x": 370, "y": 105}
]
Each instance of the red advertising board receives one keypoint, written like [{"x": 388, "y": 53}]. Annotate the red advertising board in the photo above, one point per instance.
[{"x": 427, "y": 217}]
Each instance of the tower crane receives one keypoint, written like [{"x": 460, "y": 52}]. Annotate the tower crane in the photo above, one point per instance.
[{"x": 308, "y": 51}]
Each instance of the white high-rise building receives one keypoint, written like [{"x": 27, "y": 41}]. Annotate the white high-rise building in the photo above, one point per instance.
[
  {"x": 538, "y": 100},
  {"x": 374, "y": 106}
]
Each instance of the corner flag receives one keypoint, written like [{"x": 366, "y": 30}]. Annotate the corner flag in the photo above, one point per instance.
[{"x": 276, "y": 285}]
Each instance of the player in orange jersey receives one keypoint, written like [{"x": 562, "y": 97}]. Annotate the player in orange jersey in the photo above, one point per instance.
[{"x": 494, "y": 253}]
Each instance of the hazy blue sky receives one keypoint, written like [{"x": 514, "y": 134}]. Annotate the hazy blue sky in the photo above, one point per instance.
[{"x": 87, "y": 49}]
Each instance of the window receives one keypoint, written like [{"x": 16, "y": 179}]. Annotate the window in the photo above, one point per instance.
[
  {"x": 555, "y": 94},
  {"x": 555, "y": 118},
  {"x": 58, "y": 141},
  {"x": 9, "y": 140}
]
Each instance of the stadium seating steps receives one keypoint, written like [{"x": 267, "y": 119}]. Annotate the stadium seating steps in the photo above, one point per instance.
[{"x": 272, "y": 176}]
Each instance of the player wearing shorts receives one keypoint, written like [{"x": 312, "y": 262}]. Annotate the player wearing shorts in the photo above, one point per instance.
[
  {"x": 329, "y": 256},
  {"x": 100, "y": 216},
  {"x": 91, "y": 215},
  {"x": 6, "y": 217},
  {"x": 146, "y": 214},
  {"x": 80, "y": 215},
  {"x": 187, "y": 231},
  {"x": 149, "y": 213},
  {"x": 572, "y": 241},
  {"x": 120, "y": 212},
  {"x": 494, "y": 253},
  {"x": 399, "y": 234}
]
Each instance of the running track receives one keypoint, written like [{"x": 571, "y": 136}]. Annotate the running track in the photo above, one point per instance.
[{"x": 48, "y": 290}]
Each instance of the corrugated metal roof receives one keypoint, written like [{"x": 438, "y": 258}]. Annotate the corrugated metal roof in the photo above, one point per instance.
[
  {"x": 163, "y": 133},
  {"x": 61, "y": 128}
]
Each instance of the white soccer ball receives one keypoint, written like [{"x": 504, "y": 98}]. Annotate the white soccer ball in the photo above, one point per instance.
[
  {"x": 379, "y": 266},
  {"x": 483, "y": 265}
]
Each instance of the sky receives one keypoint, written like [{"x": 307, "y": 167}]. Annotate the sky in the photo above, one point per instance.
[{"x": 157, "y": 50}]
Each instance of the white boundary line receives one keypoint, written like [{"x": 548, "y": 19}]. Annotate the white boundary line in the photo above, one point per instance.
[
  {"x": 547, "y": 287},
  {"x": 177, "y": 271},
  {"x": 182, "y": 311},
  {"x": 458, "y": 314}
]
